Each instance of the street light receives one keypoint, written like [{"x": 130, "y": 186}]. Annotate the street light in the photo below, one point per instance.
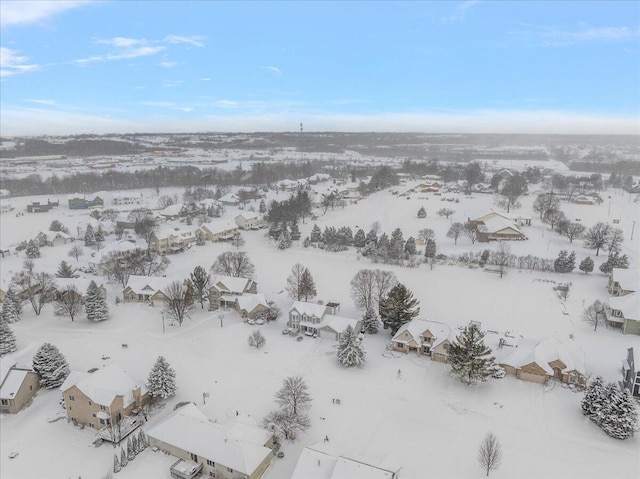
[
  {"x": 162, "y": 312},
  {"x": 221, "y": 316}
]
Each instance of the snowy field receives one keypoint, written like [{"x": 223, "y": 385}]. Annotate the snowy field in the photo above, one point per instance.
[{"x": 425, "y": 419}]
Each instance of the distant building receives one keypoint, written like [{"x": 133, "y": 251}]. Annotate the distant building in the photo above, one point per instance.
[
  {"x": 78, "y": 203},
  {"x": 37, "y": 207}
]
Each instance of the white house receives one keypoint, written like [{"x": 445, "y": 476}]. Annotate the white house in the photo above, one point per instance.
[
  {"x": 148, "y": 289},
  {"x": 623, "y": 281},
  {"x": 248, "y": 221},
  {"x": 625, "y": 310},
  {"x": 217, "y": 230},
  {"x": 230, "y": 199},
  {"x": 126, "y": 200},
  {"x": 229, "y": 287},
  {"x": 320, "y": 320}
]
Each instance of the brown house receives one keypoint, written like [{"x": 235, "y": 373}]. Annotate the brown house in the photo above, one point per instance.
[
  {"x": 17, "y": 386},
  {"x": 102, "y": 398},
  {"x": 149, "y": 289},
  {"x": 430, "y": 338},
  {"x": 229, "y": 286}
]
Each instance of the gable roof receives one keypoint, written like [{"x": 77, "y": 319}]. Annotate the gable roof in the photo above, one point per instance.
[
  {"x": 190, "y": 430},
  {"x": 310, "y": 309},
  {"x": 628, "y": 279},
  {"x": 148, "y": 284},
  {"x": 249, "y": 302},
  {"x": 628, "y": 304},
  {"x": 103, "y": 385},
  {"x": 544, "y": 352},
  {"x": 218, "y": 226},
  {"x": 440, "y": 331},
  {"x": 231, "y": 284},
  {"x": 338, "y": 323},
  {"x": 499, "y": 224}
]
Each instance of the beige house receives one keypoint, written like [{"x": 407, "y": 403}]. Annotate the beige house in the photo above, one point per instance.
[
  {"x": 248, "y": 306},
  {"x": 171, "y": 240},
  {"x": 625, "y": 311},
  {"x": 229, "y": 287},
  {"x": 149, "y": 289},
  {"x": 249, "y": 221},
  {"x": 118, "y": 252},
  {"x": 17, "y": 385},
  {"x": 539, "y": 361},
  {"x": 81, "y": 285},
  {"x": 421, "y": 336},
  {"x": 218, "y": 230},
  {"x": 54, "y": 238},
  {"x": 101, "y": 398},
  {"x": 240, "y": 451},
  {"x": 623, "y": 281}
]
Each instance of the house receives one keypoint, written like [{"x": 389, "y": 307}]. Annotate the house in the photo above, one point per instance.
[
  {"x": 78, "y": 203},
  {"x": 5, "y": 208},
  {"x": 320, "y": 320},
  {"x": 249, "y": 221},
  {"x": 171, "y": 240},
  {"x": 229, "y": 286},
  {"x": 518, "y": 220},
  {"x": 118, "y": 251},
  {"x": 53, "y": 238},
  {"x": 81, "y": 285},
  {"x": 148, "y": 289},
  {"x": 623, "y": 281},
  {"x": 18, "y": 384},
  {"x": 318, "y": 178},
  {"x": 421, "y": 336},
  {"x": 248, "y": 305},
  {"x": 631, "y": 371},
  {"x": 289, "y": 185},
  {"x": 625, "y": 310},
  {"x": 126, "y": 200},
  {"x": 230, "y": 199},
  {"x": 102, "y": 398},
  {"x": 203, "y": 447},
  {"x": 320, "y": 461},
  {"x": 217, "y": 230},
  {"x": 498, "y": 229},
  {"x": 583, "y": 200},
  {"x": 37, "y": 207},
  {"x": 171, "y": 212},
  {"x": 539, "y": 361}
]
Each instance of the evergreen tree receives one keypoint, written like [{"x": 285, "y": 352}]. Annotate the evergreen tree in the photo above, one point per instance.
[
  {"x": 350, "y": 350},
  {"x": 586, "y": 265},
  {"x": 33, "y": 250},
  {"x": 99, "y": 234},
  {"x": 7, "y": 339},
  {"x": 398, "y": 307},
  {"x": 162, "y": 380},
  {"x": 116, "y": 464},
  {"x": 307, "y": 285},
  {"x": 123, "y": 457},
  {"x": 593, "y": 399},
  {"x": 13, "y": 297},
  {"x": 51, "y": 365},
  {"x": 274, "y": 231},
  {"x": 89, "y": 236},
  {"x": 615, "y": 261},
  {"x": 263, "y": 206},
  {"x": 422, "y": 213},
  {"x": 382, "y": 248},
  {"x": 396, "y": 244},
  {"x": 9, "y": 313},
  {"x": 200, "y": 280},
  {"x": 134, "y": 444},
  {"x": 57, "y": 226},
  {"x": 565, "y": 262},
  {"x": 410, "y": 246},
  {"x": 470, "y": 359},
  {"x": 618, "y": 417},
  {"x": 430, "y": 251},
  {"x": 95, "y": 304},
  {"x": 284, "y": 241},
  {"x": 316, "y": 234},
  {"x": 359, "y": 239},
  {"x": 142, "y": 440},
  {"x": 371, "y": 238},
  {"x": 295, "y": 231},
  {"x": 64, "y": 270},
  {"x": 370, "y": 321}
]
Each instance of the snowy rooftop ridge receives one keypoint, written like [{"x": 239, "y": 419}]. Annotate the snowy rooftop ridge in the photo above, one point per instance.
[
  {"x": 148, "y": 284},
  {"x": 231, "y": 284},
  {"x": 629, "y": 305},
  {"x": 310, "y": 309},
  {"x": 628, "y": 279}
]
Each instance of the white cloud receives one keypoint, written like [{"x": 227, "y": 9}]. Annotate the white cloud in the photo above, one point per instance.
[
  {"x": 557, "y": 37},
  {"x": 205, "y": 79},
  {"x": 122, "y": 42},
  {"x": 21, "y": 12},
  {"x": 166, "y": 64},
  {"x": 12, "y": 64},
  {"x": 227, "y": 103},
  {"x": 123, "y": 49},
  {"x": 171, "y": 83},
  {"x": 40, "y": 101},
  {"x": 459, "y": 13},
  {"x": 274, "y": 69},
  {"x": 195, "y": 40}
]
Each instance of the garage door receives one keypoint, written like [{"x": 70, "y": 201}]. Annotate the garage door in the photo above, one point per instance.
[{"x": 535, "y": 378}]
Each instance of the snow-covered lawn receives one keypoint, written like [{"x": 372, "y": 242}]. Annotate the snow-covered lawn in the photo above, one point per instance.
[{"x": 425, "y": 419}]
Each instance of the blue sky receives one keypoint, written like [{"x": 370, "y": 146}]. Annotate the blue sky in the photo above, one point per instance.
[{"x": 477, "y": 66}]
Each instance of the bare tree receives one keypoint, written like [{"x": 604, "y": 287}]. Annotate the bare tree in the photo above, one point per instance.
[
  {"x": 76, "y": 251},
  {"x": 295, "y": 282},
  {"x": 490, "y": 453},
  {"x": 597, "y": 236},
  {"x": 385, "y": 281},
  {"x": 287, "y": 424},
  {"x": 200, "y": 280},
  {"x": 446, "y": 212},
  {"x": 165, "y": 200},
  {"x": 36, "y": 287},
  {"x": 616, "y": 237},
  {"x": 69, "y": 302},
  {"x": 426, "y": 234},
  {"x": 234, "y": 263},
  {"x": 470, "y": 232},
  {"x": 455, "y": 231},
  {"x": 294, "y": 395},
  {"x": 180, "y": 303},
  {"x": 502, "y": 257},
  {"x": 363, "y": 288},
  {"x": 593, "y": 313},
  {"x": 574, "y": 231},
  {"x": 257, "y": 339},
  {"x": 147, "y": 263}
]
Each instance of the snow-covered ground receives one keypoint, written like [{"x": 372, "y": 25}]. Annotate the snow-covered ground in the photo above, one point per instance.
[{"x": 425, "y": 419}]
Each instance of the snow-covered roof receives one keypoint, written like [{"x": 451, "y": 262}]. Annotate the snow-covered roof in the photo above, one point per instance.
[
  {"x": 497, "y": 224},
  {"x": 11, "y": 383},
  {"x": 310, "y": 309},
  {"x": 338, "y": 323},
  {"x": 249, "y": 216},
  {"x": 544, "y": 352},
  {"x": 629, "y": 305},
  {"x": 148, "y": 284},
  {"x": 219, "y": 226},
  {"x": 249, "y": 302},
  {"x": 628, "y": 279},
  {"x": 416, "y": 327},
  {"x": 229, "y": 198},
  {"x": 230, "y": 284},
  {"x": 189, "y": 430},
  {"x": 168, "y": 231},
  {"x": 122, "y": 246},
  {"x": 246, "y": 429},
  {"x": 171, "y": 210},
  {"x": 103, "y": 385}
]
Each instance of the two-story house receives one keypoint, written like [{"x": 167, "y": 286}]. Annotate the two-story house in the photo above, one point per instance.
[
  {"x": 102, "y": 398},
  {"x": 320, "y": 320},
  {"x": 625, "y": 310},
  {"x": 150, "y": 289},
  {"x": 623, "y": 281},
  {"x": 18, "y": 384},
  {"x": 422, "y": 336},
  {"x": 217, "y": 230},
  {"x": 631, "y": 371},
  {"x": 227, "y": 287},
  {"x": 171, "y": 240}
]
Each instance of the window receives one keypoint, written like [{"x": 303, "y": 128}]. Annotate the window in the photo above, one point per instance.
[
  {"x": 69, "y": 408},
  {"x": 210, "y": 463},
  {"x": 71, "y": 398},
  {"x": 5, "y": 402},
  {"x": 103, "y": 408},
  {"x": 229, "y": 469},
  {"x": 94, "y": 414},
  {"x": 573, "y": 378},
  {"x": 194, "y": 457},
  {"x": 90, "y": 403}
]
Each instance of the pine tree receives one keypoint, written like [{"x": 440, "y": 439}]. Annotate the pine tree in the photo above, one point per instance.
[
  {"x": 33, "y": 250},
  {"x": 586, "y": 265},
  {"x": 13, "y": 297},
  {"x": 7, "y": 339},
  {"x": 350, "y": 351},
  {"x": 99, "y": 234},
  {"x": 422, "y": 213},
  {"x": 51, "y": 365},
  {"x": 617, "y": 415},
  {"x": 134, "y": 443},
  {"x": 162, "y": 380},
  {"x": 593, "y": 399},
  {"x": 307, "y": 285},
  {"x": 371, "y": 238},
  {"x": 123, "y": 458},
  {"x": 470, "y": 359},
  {"x": 200, "y": 280},
  {"x": 9, "y": 313},
  {"x": 64, "y": 270},
  {"x": 615, "y": 261},
  {"x": 116, "y": 464},
  {"x": 295, "y": 231},
  {"x": 359, "y": 239},
  {"x": 370, "y": 321},
  {"x": 130, "y": 452},
  {"x": 316, "y": 234},
  {"x": 565, "y": 262},
  {"x": 95, "y": 304},
  {"x": 430, "y": 251},
  {"x": 398, "y": 307},
  {"x": 284, "y": 241},
  {"x": 396, "y": 244},
  {"x": 89, "y": 236},
  {"x": 410, "y": 246},
  {"x": 263, "y": 207},
  {"x": 382, "y": 248},
  {"x": 142, "y": 440}
]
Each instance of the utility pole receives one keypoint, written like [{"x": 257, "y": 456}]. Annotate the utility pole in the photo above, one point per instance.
[
  {"x": 301, "y": 154},
  {"x": 633, "y": 229}
]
